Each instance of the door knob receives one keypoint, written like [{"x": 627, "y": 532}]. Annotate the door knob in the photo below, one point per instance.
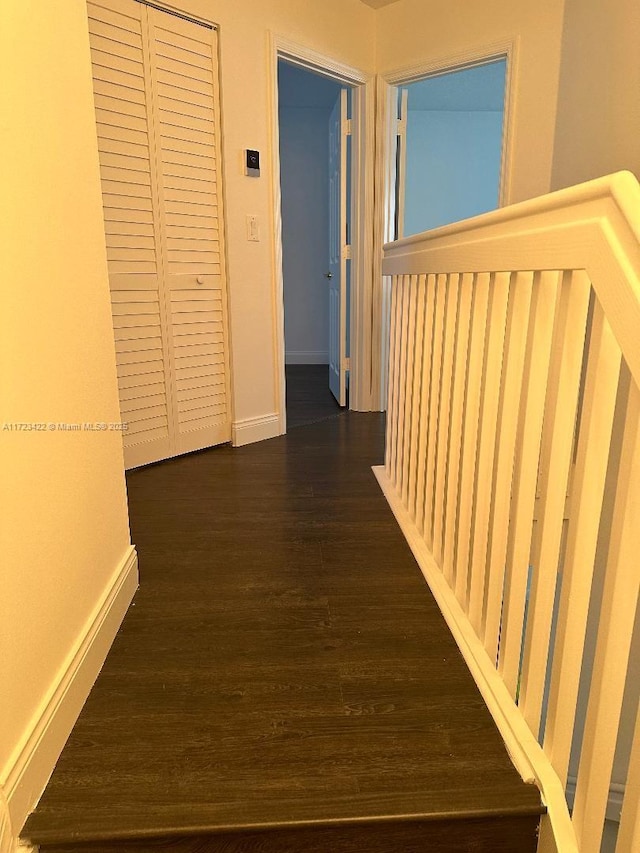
[
  {"x": 200, "y": 279},
  {"x": 328, "y": 275}
]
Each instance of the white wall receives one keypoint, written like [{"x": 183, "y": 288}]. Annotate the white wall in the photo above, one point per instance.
[
  {"x": 411, "y": 32},
  {"x": 453, "y": 166},
  {"x": 598, "y": 128},
  {"x": 343, "y": 29},
  {"x": 304, "y": 168},
  {"x": 64, "y": 524}
]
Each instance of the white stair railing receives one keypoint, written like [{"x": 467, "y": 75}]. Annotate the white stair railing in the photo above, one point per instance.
[{"x": 513, "y": 467}]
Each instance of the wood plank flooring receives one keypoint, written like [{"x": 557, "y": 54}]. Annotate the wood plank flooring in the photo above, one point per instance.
[
  {"x": 309, "y": 399},
  {"x": 284, "y": 680}
]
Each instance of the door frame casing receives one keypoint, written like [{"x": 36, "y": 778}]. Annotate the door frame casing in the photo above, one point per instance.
[
  {"x": 338, "y": 247},
  {"x": 362, "y": 213},
  {"x": 387, "y": 83}
]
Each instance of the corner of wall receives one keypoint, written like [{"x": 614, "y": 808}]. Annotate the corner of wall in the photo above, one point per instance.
[{"x": 250, "y": 430}]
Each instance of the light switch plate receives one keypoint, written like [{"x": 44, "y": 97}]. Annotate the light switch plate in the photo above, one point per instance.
[{"x": 253, "y": 228}]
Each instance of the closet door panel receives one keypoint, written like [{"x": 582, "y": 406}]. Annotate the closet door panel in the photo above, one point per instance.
[
  {"x": 157, "y": 117},
  {"x": 184, "y": 74},
  {"x": 121, "y": 93}
]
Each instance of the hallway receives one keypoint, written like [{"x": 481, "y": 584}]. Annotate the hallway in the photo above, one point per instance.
[
  {"x": 309, "y": 399},
  {"x": 284, "y": 680}
]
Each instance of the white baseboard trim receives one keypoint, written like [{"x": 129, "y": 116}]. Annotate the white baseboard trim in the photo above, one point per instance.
[
  {"x": 6, "y": 839},
  {"x": 250, "y": 430},
  {"x": 35, "y": 758},
  {"x": 306, "y": 357}
]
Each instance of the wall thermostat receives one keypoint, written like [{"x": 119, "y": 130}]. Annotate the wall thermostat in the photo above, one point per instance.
[{"x": 252, "y": 163}]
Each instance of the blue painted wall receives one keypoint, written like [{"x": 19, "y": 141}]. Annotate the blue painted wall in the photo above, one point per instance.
[{"x": 454, "y": 143}]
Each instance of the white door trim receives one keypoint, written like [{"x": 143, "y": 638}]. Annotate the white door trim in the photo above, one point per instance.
[
  {"x": 337, "y": 255},
  {"x": 362, "y": 212}
]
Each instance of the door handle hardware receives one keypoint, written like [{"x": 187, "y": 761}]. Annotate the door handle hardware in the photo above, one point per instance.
[
  {"x": 200, "y": 279},
  {"x": 328, "y": 275}
]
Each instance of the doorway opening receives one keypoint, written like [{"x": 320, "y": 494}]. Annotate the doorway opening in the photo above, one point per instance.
[
  {"x": 449, "y": 146},
  {"x": 445, "y": 143},
  {"x": 314, "y": 114}
]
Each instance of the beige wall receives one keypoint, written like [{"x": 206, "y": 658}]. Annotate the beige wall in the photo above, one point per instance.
[
  {"x": 411, "y": 32},
  {"x": 342, "y": 29},
  {"x": 64, "y": 526},
  {"x": 598, "y": 129}
]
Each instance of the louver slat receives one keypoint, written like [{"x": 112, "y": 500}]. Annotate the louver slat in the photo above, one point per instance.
[
  {"x": 157, "y": 125},
  {"x": 131, "y": 234}
]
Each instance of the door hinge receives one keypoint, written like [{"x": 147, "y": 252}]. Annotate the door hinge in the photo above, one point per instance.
[
  {"x": 346, "y": 364},
  {"x": 347, "y": 127},
  {"x": 401, "y": 127},
  {"x": 346, "y": 252}
]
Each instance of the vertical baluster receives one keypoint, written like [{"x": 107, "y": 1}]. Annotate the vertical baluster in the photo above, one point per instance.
[
  {"x": 425, "y": 401},
  {"x": 615, "y": 630},
  {"x": 594, "y": 441},
  {"x": 528, "y": 452},
  {"x": 416, "y": 412},
  {"x": 557, "y": 445},
  {"x": 444, "y": 416},
  {"x": 475, "y": 375},
  {"x": 409, "y": 385},
  {"x": 385, "y": 321},
  {"x": 518, "y": 325},
  {"x": 394, "y": 362},
  {"x": 403, "y": 283},
  {"x": 455, "y": 428},
  {"x": 426, "y": 522},
  {"x": 404, "y": 381},
  {"x": 392, "y": 422},
  {"x": 486, "y": 452},
  {"x": 629, "y": 831}
]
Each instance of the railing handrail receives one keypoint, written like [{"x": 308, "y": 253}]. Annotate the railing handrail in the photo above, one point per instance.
[
  {"x": 622, "y": 188},
  {"x": 593, "y": 226},
  {"x": 537, "y": 304}
]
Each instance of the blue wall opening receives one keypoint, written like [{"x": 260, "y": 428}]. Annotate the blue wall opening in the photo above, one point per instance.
[
  {"x": 305, "y": 103},
  {"x": 453, "y": 146}
]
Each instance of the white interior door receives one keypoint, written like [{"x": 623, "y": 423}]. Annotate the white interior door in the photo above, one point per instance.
[
  {"x": 155, "y": 79},
  {"x": 338, "y": 250}
]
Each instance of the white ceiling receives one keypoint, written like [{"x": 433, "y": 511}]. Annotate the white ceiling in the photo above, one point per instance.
[{"x": 378, "y": 4}]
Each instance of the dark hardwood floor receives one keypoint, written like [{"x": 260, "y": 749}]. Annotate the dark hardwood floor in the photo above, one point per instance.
[
  {"x": 308, "y": 397},
  {"x": 284, "y": 680}
]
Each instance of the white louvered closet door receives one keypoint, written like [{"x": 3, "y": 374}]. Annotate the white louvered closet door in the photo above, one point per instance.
[
  {"x": 184, "y": 73},
  {"x": 155, "y": 87}
]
